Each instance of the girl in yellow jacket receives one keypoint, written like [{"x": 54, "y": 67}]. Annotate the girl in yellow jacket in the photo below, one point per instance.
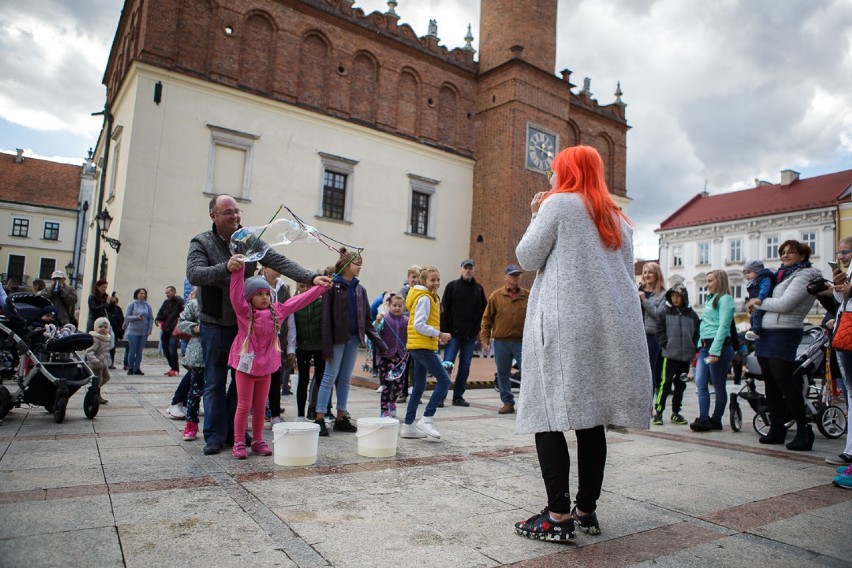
[{"x": 424, "y": 334}]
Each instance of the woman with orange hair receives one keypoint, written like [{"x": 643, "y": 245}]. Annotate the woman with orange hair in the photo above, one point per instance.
[{"x": 585, "y": 358}]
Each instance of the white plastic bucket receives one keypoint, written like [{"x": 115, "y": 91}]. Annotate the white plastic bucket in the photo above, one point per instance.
[
  {"x": 295, "y": 443},
  {"x": 377, "y": 437}
]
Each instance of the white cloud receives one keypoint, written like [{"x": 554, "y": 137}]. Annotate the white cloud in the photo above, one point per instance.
[
  {"x": 724, "y": 91},
  {"x": 30, "y": 153}
]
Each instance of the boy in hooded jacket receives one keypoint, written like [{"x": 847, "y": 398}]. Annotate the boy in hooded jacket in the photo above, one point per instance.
[{"x": 677, "y": 334}]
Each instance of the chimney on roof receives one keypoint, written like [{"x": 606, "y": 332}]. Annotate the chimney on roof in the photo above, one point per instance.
[
  {"x": 788, "y": 177},
  {"x": 20, "y": 157}
]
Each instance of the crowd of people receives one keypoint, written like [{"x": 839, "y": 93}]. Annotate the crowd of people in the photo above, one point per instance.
[{"x": 240, "y": 320}]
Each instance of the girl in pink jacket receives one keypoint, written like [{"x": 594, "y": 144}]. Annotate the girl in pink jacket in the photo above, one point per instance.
[{"x": 256, "y": 352}]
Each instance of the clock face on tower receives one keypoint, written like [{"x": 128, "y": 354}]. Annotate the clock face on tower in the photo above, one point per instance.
[{"x": 540, "y": 148}]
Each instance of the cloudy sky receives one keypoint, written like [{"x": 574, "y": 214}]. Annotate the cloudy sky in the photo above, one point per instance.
[{"x": 719, "y": 92}]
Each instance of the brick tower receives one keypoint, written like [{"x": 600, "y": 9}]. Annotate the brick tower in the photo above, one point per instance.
[{"x": 517, "y": 96}]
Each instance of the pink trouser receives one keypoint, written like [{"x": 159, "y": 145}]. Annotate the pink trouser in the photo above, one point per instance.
[{"x": 252, "y": 392}]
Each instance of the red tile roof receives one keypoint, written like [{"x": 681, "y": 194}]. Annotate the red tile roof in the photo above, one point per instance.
[
  {"x": 39, "y": 182},
  {"x": 763, "y": 200}
]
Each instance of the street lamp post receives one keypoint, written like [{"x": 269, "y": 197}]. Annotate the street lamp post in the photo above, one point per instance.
[{"x": 104, "y": 220}]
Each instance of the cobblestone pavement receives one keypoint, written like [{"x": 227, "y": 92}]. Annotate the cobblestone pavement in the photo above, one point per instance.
[{"x": 124, "y": 489}]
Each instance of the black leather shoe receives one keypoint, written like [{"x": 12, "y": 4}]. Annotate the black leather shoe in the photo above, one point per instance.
[
  {"x": 212, "y": 448},
  {"x": 323, "y": 428},
  {"x": 460, "y": 402}
]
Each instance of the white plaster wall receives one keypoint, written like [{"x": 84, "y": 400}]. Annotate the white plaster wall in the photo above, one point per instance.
[{"x": 160, "y": 202}]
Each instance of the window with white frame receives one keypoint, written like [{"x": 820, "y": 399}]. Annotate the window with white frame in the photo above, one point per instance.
[
  {"x": 677, "y": 256},
  {"x": 338, "y": 176},
  {"x": 737, "y": 291},
  {"x": 230, "y": 161},
  {"x": 810, "y": 238},
  {"x": 20, "y": 227},
  {"x": 703, "y": 253},
  {"x": 421, "y": 205},
  {"x": 735, "y": 250},
  {"x": 703, "y": 294},
  {"x": 51, "y": 231},
  {"x": 772, "y": 247},
  {"x": 115, "y": 152}
]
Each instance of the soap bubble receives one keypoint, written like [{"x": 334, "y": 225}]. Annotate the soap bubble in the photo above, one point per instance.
[{"x": 252, "y": 243}]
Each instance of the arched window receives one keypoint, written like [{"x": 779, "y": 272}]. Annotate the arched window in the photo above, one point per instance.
[
  {"x": 313, "y": 56},
  {"x": 447, "y": 116},
  {"x": 256, "y": 52},
  {"x": 364, "y": 89},
  {"x": 193, "y": 27},
  {"x": 408, "y": 103}
]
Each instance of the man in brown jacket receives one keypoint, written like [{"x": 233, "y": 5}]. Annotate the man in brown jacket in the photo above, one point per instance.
[{"x": 503, "y": 325}]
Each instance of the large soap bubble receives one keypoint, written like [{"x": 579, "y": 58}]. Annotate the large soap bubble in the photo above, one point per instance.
[{"x": 252, "y": 243}]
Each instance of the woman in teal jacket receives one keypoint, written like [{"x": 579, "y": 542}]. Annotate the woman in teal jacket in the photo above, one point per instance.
[{"x": 715, "y": 352}]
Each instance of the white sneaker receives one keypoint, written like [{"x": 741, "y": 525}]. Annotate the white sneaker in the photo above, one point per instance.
[
  {"x": 750, "y": 335},
  {"x": 381, "y": 388},
  {"x": 410, "y": 431},
  {"x": 176, "y": 412},
  {"x": 425, "y": 425},
  {"x": 301, "y": 419}
]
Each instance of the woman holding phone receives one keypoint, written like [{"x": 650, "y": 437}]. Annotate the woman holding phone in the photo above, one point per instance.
[{"x": 842, "y": 287}]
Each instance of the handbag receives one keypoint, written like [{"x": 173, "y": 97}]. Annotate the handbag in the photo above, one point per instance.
[
  {"x": 841, "y": 340},
  {"x": 183, "y": 336}
]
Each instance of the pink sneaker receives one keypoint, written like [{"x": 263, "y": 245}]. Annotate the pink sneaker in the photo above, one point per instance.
[
  {"x": 259, "y": 447},
  {"x": 239, "y": 450},
  {"x": 190, "y": 431}
]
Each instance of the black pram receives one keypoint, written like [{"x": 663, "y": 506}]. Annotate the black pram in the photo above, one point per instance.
[{"x": 47, "y": 371}]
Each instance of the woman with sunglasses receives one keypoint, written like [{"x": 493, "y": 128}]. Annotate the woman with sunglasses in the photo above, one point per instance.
[{"x": 781, "y": 333}]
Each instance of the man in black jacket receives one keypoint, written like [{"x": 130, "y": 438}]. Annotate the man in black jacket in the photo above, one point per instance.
[
  {"x": 461, "y": 314},
  {"x": 167, "y": 317}
]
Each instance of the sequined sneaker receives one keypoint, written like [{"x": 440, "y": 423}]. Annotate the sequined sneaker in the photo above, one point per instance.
[
  {"x": 542, "y": 527},
  {"x": 588, "y": 523}
]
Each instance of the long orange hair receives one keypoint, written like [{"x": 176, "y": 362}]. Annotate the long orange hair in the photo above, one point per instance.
[{"x": 579, "y": 169}]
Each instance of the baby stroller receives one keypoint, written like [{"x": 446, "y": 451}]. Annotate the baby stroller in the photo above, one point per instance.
[
  {"x": 810, "y": 359},
  {"x": 46, "y": 371}
]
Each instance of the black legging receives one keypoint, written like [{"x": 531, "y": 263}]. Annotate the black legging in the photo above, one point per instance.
[
  {"x": 783, "y": 391},
  {"x": 555, "y": 465},
  {"x": 304, "y": 358}
]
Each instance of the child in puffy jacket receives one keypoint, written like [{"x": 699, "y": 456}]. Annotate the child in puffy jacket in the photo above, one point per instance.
[
  {"x": 760, "y": 283},
  {"x": 392, "y": 325},
  {"x": 97, "y": 356},
  {"x": 677, "y": 335}
]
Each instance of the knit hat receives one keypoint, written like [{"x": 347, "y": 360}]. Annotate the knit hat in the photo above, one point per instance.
[
  {"x": 101, "y": 321},
  {"x": 254, "y": 285},
  {"x": 753, "y": 266},
  {"x": 49, "y": 310}
]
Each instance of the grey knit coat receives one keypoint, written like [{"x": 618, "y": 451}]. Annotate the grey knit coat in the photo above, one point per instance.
[{"x": 585, "y": 356}]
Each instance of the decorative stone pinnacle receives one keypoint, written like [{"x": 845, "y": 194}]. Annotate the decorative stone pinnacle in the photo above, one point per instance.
[
  {"x": 433, "y": 29},
  {"x": 587, "y": 86},
  {"x": 391, "y": 5},
  {"x": 468, "y": 39},
  {"x": 618, "y": 94}
]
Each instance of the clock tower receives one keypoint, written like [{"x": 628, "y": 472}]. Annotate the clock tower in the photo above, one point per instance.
[{"x": 525, "y": 114}]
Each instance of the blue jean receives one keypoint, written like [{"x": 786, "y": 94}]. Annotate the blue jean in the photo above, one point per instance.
[
  {"x": 338, "y": 371},
  {"x": 426, "y": 360},
  {"x": 464, "y": 349},
  {"x": 717, "y": 373},
  {"x": 135, "y": 344},
  {"x": 169, "y": 344},
  {"x": 216, "y": 343},
  {"x": 182, "y": 390},
  {"x": 504, "y": 353},
  {"x": 195, "y": 388}
]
